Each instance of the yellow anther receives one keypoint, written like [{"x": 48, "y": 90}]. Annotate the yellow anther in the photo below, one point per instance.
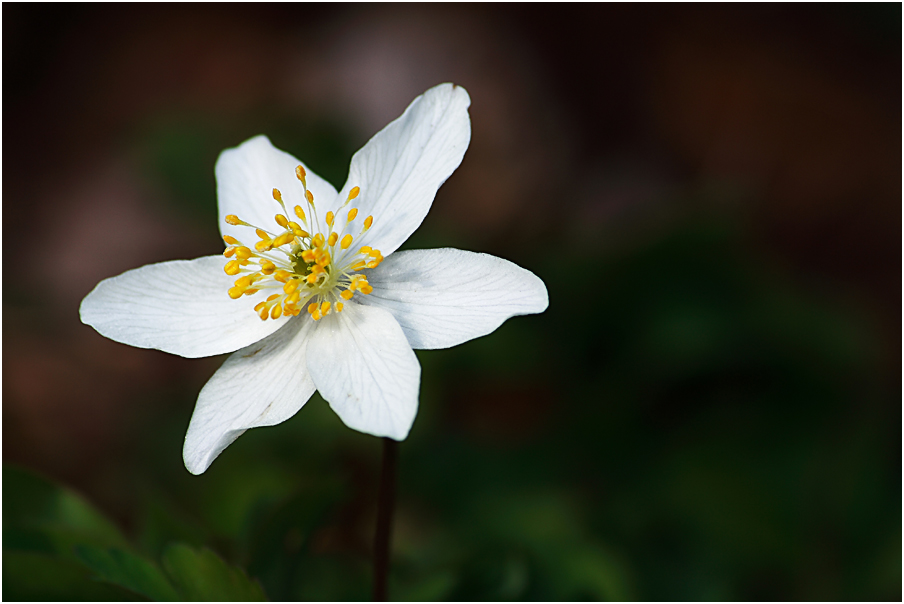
[
  {"x": 264, "y": 313},
  {"x": 283, "y": 239},
  {"x": 310, "y": 197},
  {"x": 272, "y": 298},
  {"x": 317, "y": 269},
  {"x": 233, "y": 220},
  {"x": 260, "y": 305},
  {"x": 312, "y": 307},
  {"x": 244, "y": 282},
  {"x": 359, "y": 265},
  {"x": 230, "y": 240},
  {"x": 293, "y": 297},
  {"x": 368, "y": 221},
  {"x": 339, "y": 306},
  {"x": 262, "y": 234},
  {"x": 236, "y": 292},
  {"x": 373, "y": 263},
  {"x": 333, "y": 238},
  {"x": 353, "y": 193},
  {"x": 282, "y": 275},
  {"x": 248, "y": 292},
  {"x": 232, "y": 267},
  {"x": 307, "y": 256},
  {"x": 366, "y": 249},
  {"x": 262, "y": 246},
  {"x": 277, "y": 195},
  {"x": 347, "y": 294},
  {"x": 300, "y": 174},
  {"x": 365, "y": 289},
  {"x": 330, "y": 217},
  {"x": 316, "y": 315},
  {"x": 243, "y": 253},
  {"x": 230, "y": 252},
  {"x": 267, "y": 267},
  {"x": 346, "y": 241},
  {"x": 352, "y": 213},
  {"x": 374, "y": 253},
  {"x": 312, "y": 278},
  {"x": 300, "y": 213},
  {"x": 325, "y": 308},
  {"x": 290, "y": 286},
  {"x": 281, "y": 220},
  {"x": 276, "y": 312},
  {"x": 323, "y": 258}
]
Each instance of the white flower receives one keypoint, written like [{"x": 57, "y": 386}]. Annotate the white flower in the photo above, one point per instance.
[{"x": 314, "y": 298}]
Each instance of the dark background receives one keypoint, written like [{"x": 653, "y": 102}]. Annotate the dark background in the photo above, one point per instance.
[{"x": 710, "y": 408}]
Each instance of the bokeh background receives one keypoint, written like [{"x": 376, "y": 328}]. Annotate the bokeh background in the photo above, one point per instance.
[{"x": 710, "y": 408}]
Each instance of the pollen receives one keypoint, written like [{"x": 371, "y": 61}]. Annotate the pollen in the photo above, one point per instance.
[{"x": 296, "y": 266}]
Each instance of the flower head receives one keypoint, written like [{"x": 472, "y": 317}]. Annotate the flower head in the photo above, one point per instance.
[{"x": 310, "y": 293}]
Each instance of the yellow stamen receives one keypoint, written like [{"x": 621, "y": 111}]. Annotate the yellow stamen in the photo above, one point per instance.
[
  {"x": 244, "y": 282},
  {"x": 276, "y": 312},
  {"x": 346, "y": 241},
  {"x": 339, "y": 306},
  {"x": 262, "y": 234},
  {"x": 233, "y": 220},
  {"x": 230, "y": 252},
  {"x": 277, "y": 195},
  {"x": 347, "y": 294},
  {"x": 267, "y": 267},
  {"x": 325, "y": 308},
  {"x": 353, "y": 193},
  {"x": 333, "y": 238},
  {"x": 264, "y": 314},
  {"x": 373, "y": 264},
  {"x": 260, "y": 305},
  {"x": 236, "y": 292},
  {"x": 230, "y": 240},
  {"x": 368, "y": 221},
  {"x": 307, "y": 256},
  {"x": 232, "y": 267},
  {"x": 318, "y": 240},
  {"x": 312, "y": 278},
  {"x": 282, "y": 275},
  {"x": 272, "y": 298},
  {"x": 310, "y": 197},
  {"x": 330, "y": 217},
  {"x": 352, "y": 213},
  {"x": 300, "y": 213},
  {"x": 300, "y": 174},
  {"x": 316, "y": 315},
  {"x": 366, "y": 249},
  {"x": 281, "y": 220},
  {"x": 291, "y": 286},
  {"x": 312, "y": 307},
  {"x": 243, "y": 253}
]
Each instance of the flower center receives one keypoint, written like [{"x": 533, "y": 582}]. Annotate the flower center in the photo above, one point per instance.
[{"x": 317, "y": 272}]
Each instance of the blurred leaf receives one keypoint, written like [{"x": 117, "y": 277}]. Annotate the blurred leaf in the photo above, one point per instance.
[
  {"x": 129, "y": 571},
  {"x": 41, "y": 516},
  {"x": 29, "y": 576},
  {"x": 200, "y": 575}
]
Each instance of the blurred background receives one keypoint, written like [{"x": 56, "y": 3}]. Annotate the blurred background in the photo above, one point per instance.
[{"x": 710, "y": 408}]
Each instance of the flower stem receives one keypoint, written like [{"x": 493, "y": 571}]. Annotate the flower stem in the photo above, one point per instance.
[{"x": 385, "y": 507}]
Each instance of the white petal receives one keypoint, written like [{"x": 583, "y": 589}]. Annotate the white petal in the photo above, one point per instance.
[
  {"x": 444, "y": 297},
  {"x": 400, "y": 169},
  {"x": 261, "y": 385},
  {"x": 246, "y": 177},
  {"x": 363, "y": 366},
  {"x": 180, "y": 307}
]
